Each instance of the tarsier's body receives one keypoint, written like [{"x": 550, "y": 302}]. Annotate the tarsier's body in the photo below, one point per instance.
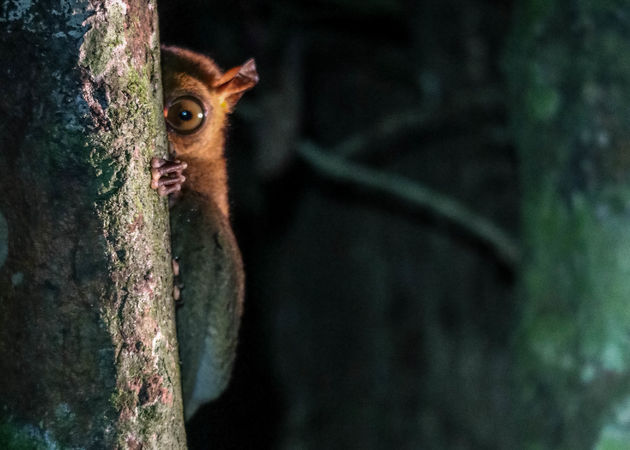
[{"x": 197, "y": 99}]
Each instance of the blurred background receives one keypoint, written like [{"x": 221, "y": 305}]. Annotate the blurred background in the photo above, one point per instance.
[{"x": 374, "y": 189}]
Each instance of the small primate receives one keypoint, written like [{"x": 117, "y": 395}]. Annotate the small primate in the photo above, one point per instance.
[{"x": 197, "y": 100}]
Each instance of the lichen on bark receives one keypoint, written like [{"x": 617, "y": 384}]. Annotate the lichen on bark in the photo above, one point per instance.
[{"x": 88, "y": 348}]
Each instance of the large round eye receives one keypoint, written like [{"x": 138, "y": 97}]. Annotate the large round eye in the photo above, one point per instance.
[{"x": 185, "y": 114}]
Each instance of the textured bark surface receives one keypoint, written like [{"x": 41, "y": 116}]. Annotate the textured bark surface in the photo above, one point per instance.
[
  {"x": 570, "y": 76},
  {"x": 88, "y": 353}
]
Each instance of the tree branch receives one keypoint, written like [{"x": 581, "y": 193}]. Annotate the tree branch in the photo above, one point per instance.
[{"x": 415, "y": 194}]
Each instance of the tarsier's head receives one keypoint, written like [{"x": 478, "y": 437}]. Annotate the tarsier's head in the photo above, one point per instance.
[{"x": 198, "y": 97}]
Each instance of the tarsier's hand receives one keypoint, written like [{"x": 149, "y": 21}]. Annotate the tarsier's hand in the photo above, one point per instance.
[{"x": 166, "y": 176}]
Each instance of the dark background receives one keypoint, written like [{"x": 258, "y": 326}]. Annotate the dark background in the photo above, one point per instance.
[{"x": 369, "y": 323}]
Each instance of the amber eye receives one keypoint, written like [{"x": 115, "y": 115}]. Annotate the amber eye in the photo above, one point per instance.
[{"x": 185, "y": 114}]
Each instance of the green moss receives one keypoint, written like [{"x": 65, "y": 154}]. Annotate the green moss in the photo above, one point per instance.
[
  {"x": 138, "y": 85},
  {"x": 122, "y": 153},
  {"x": 101, "y": 43},
  {"x": 123, "y": 399},
  {"x": 149, "y": 413},
  {"x": 148, "y": 417},
  {"x": 106, "y": 138}
]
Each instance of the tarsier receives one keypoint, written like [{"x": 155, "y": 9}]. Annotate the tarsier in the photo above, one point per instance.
[{"x": 197, "y": 100}]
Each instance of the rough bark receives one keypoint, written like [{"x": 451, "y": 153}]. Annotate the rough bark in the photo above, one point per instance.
[
  {"x": 88, "y": 353},
  {"x": 570, "y": 77}
]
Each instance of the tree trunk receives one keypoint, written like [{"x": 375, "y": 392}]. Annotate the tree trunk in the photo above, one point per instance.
[
  {"x": 570, "y": 77},
  {"x": 88, "y": 351}
]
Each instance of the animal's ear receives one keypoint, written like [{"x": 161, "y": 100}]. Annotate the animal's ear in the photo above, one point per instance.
[{"x": 235, "y": 82}]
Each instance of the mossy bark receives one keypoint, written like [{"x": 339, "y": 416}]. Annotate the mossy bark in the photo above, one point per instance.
[
  {"x": 569, "y": 70},
  {"x": 88, "y": 351}
]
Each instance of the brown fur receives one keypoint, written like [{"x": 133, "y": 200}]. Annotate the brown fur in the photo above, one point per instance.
[
  {"x": 210, "y": 261},
  {"x": 189, "y": 73}
]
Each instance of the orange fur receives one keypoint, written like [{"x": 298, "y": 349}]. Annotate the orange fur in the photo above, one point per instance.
[
  {"x": 189, "y": 73},
  {"x": 210, "y": 261}
]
